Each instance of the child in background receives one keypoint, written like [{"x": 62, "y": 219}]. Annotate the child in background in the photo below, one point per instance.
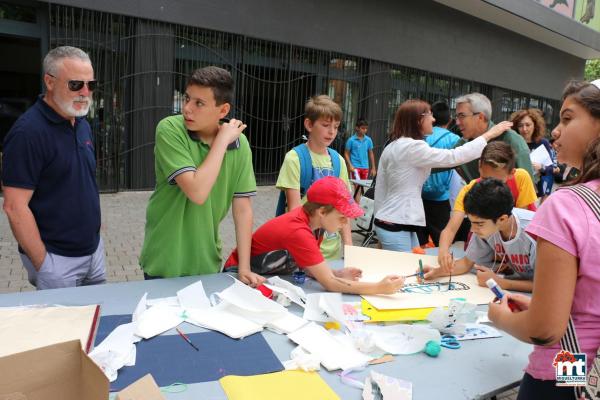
[
  {"x": 499, "y": 239},
  {"x": 497, "y": 161},
  {"x": 291, "y": 241},
  {"x": 359, "y": 152},
  {"x": 322, "y": 121}
]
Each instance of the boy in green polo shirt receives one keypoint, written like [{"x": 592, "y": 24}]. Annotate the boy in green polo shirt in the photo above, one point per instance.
[
  {"x": 321, "y": 122},
  {"x": 202, "y": 168}
]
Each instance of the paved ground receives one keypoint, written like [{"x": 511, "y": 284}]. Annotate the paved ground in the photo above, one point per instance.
[{"x": 123, "y": 217}]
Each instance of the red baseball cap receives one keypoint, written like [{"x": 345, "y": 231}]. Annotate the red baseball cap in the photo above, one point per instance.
[{"x": 333, "y": 191}]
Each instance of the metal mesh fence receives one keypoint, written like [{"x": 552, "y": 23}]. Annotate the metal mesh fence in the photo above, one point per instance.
[{"x": 142, "y": 66}]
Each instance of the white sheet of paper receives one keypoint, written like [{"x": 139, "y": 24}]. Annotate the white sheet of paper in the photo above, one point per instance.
[
  {"x": 172, "y": 301},
  {"x": 541, "y": 156},
  {"x": 376, "y": 264},
  {"x": 193, "y": 296},
  {"x": 288, "y": 323},
  {"x": 479, "y": 331},
  {"x": 140, "y": 308},
  {"x": 312, "y": 310},
  {"x": 219, "y": 318},
  {"x": 251, "y": 304},
  {"x": 332, "y": 305},
  {"x": 332, "y": 353},
  {"x": 158, "y": 319}
]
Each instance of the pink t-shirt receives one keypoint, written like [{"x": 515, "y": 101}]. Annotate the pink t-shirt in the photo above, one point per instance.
[{"x": 565, "y": 220}]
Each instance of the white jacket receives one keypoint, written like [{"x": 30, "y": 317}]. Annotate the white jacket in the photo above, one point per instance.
[{"x": 404, "y": 166}]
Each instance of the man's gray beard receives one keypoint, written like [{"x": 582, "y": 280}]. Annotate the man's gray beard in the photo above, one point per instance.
[{"x": 67, "y": 107}]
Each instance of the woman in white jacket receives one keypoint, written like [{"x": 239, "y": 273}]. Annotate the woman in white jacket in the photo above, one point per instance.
[{"x": 404, "y": 166}]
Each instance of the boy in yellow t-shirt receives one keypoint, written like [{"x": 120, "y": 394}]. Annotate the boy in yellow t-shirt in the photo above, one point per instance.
[
  {"x": 497, "y": 161},
  {"x": 321, "y": 122}
]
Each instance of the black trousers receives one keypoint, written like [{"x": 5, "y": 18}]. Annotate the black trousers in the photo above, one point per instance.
[
  {"x": 437, "y": 215},
  {"x": 535, "y": 389}
]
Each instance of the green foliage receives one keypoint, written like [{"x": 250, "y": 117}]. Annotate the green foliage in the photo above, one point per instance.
[{"x": 592, "y": 70}]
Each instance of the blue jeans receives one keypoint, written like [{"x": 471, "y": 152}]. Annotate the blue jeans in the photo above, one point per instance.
[{"x": 397, "y": 241}]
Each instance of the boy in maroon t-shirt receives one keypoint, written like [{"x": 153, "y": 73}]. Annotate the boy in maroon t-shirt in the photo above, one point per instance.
[{"x": 291, "y": 241}]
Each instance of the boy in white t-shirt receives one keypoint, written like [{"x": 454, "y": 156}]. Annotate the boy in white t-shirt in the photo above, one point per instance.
[{"x": 500, "y": 243}]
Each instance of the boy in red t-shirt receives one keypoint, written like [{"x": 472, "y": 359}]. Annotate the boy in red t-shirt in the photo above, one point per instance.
[{"x": 291, "y": 241}]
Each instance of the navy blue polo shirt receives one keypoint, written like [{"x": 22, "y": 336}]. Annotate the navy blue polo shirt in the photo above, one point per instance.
[{"x": 45, "y": 153}]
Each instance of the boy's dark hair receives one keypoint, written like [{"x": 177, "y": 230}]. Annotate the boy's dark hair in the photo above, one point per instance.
[
  {"x": 362, "y": 122},
  {"x": 441, "y": 113},
  {"x": 218, "y": 79},
  {"x": 489, "y": 199}
]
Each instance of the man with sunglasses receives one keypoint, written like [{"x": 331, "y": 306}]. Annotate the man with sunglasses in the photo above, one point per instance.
[
  {"x": 473, "y": 119},
  {"x": 48, "y": 175}
]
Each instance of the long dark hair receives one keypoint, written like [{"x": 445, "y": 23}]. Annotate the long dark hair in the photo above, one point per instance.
[
  {"x": 407, "y": 122},
  {"x": 588, "y": 96}
]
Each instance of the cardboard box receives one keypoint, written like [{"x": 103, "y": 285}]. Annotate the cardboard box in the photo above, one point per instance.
[{"x": 61, "y": 371}]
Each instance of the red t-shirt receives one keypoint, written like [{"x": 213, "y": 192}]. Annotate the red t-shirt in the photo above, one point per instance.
[{"x": 291, "y": 232}]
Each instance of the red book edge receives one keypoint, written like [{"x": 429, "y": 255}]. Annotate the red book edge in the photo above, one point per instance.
[{"x": 93, "y": 330}]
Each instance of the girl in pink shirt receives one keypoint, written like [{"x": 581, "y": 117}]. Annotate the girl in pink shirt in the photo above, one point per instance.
[{"x": 567, "y": 272}]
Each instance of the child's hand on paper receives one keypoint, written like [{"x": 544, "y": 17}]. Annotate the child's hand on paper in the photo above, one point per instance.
[
  {"x": 446, "y": 261},
  {"x": 430, "y": 273},
  {"x": 251, "y": 279},
  {"x": 391, "y": 284},
  {"x": 349, "y": 273}
]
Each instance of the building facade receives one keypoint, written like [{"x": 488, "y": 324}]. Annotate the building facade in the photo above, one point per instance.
[{"x": 368, "y": 56}]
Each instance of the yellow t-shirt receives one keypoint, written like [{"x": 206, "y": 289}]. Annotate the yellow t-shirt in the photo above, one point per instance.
[
  {"x": 289, "y": 178},
  {"x": 521, "y": 179}
]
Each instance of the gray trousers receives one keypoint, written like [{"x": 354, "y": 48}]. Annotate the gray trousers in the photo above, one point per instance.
[{"x": 60, "y": 272}]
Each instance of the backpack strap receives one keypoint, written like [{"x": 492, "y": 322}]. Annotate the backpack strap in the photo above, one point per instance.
[
  {"x": 305, "y": 167},
  {"x": 589, "y": 196},
  {"x": 305, "y": 177},
  {"x": 306, "y": 173},
  {"x": 335, "y": 161}
]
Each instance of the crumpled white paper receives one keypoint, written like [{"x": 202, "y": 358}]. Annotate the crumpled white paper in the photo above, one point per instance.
[
  {"x": 118, "y": 348},
  {"x": 399, "y": 339},
  {"x": 452, "y": 321},
  {"x": 286, "y": 289},
  {"x": 301, "y": 359},
  {"x": 379, "y": 386}
]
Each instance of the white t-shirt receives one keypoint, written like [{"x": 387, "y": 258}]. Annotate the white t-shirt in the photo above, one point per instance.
[{"x": 518, "y": 253}]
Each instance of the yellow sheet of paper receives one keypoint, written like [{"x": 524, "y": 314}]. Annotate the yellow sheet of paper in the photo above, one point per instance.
[
  {"x": 376, "y": 264},
  {"x": 411, "y": 314},
  {"x": 289, "y": 385}
]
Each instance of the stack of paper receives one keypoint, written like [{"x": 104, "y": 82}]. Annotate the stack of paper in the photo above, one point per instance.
[{"x": 27, "y": 328}]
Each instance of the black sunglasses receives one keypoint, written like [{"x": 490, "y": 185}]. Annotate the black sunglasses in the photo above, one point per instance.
[{"x": 75, "y": 85}]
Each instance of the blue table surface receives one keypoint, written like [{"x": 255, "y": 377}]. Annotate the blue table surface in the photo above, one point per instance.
[{"x": 479, "y": 369}]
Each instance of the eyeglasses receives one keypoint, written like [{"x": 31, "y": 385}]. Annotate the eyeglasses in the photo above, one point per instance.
[
  {"x": 426, "y": 114},
  {"x": 76, "y": 85},
  {"x": 463, "y": 116}
]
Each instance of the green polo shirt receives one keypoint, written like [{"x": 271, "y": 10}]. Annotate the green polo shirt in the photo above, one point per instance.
[
  {"x": 470, "y": 170},
  {"x": 182, "y": 237}
]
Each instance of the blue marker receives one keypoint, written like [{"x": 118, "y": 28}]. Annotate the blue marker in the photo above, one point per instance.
[{"x": 497, "y": 290}]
